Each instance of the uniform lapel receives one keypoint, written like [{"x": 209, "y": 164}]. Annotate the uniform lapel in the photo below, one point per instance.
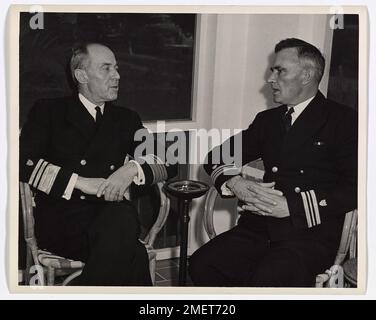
[
  {"x": 308, "y": 123},
  {"x": 79, "y": 117}
]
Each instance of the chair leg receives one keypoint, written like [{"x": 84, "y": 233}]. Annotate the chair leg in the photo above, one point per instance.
[
  {"x": 74, "y": 275},
  {"x": 321, "y": 279},
  {"x": 29, "y": 262},
  {"x": 152, "y": 266},
  {"x": 50, "y": 276}
]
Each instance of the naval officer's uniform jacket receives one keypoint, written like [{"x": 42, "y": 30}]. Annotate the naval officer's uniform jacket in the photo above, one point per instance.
[
  {"x": 60, "y": 139},
  {"x": 314, "y": 164}
]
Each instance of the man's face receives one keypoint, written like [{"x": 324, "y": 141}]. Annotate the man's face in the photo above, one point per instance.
[
  {"x": 287, "y": 77},
  {"x": 102, "y": 75}
]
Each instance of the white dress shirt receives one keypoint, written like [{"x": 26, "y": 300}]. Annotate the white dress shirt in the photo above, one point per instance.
[
  {"x": 299, "y": 108},
  {"x": 90, "y": 107}
]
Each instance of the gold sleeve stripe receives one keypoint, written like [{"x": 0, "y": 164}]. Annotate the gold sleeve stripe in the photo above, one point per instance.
[
  {"x": 220, "y": 170},
  {"x": 159, "y": 172},
  {"x": 35, "y": 171},
  {"x": 311, "y": 208},
  {"x": 315, "y": 206},
  {"x": 306, "y": 209},
  {"x": 48, "y": 178},
  {"x": 39, "y": 174},
  {"x": 157, "y": 167},
  {"x": 151, "y": 159},
  {"x": 43, "y": 176},
  {"x": 227, "y": 169}
]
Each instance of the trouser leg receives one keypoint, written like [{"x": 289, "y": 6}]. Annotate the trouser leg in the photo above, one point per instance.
[
  {"x": 291, "y": 264},
  {"x": 280, "y": 268},
  {"x": 115, "y": 256},
  {"x": 244, "y": 257},
  {"x": 228, "y": 259}
]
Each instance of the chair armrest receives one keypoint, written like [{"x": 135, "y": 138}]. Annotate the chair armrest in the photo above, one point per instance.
[
  {"x": 211, "y": 197},
  {"x": 348, "y": 238},
  {"x": 164, "y": 210},
  {"x": 252, "y": 171}
]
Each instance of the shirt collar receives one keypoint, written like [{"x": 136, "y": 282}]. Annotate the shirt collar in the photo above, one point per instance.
[
  {"x": 299, "y": 108},
  {"x": 90, "y": 107}
]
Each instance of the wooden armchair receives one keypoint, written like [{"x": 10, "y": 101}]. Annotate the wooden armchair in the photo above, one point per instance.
[
  {"x": 42, "y": 267},
  {"x": 345, "y": 258},
  {"x": 251, "y": 171}
]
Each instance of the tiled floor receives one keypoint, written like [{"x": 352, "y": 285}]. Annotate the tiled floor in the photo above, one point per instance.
[{"x": 167, "y": 273}]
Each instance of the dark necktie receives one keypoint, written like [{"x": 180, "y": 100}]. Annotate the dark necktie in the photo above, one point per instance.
[
  {"x": 98, "y": 117},
  {"x": 287, "y": 118}
]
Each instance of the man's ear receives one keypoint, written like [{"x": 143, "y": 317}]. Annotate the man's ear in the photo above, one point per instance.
[
  {"x": 308, "y": 75},
  {"x": 80, "y": 75}
]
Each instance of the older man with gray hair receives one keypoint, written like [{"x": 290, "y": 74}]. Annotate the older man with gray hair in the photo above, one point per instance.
[{"x": 73, "y": 152}]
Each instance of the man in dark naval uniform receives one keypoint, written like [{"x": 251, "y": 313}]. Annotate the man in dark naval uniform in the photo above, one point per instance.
[
  {"x": 74, "y": 152},
  {"x": 291, "y": 225}
]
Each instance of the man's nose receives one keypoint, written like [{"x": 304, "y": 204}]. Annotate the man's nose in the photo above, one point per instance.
[
  {"x": 271, "y": 78},
  {"x": 116, "y": 75}
]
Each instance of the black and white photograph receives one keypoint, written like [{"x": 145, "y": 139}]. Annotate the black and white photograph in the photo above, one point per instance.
[{"x": 188, "y": 150}]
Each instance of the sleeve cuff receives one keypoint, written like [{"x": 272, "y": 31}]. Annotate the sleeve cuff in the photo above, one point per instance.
[
  {"x": 49, "y": 178},
  {"x": 304, "y": 209},
  {"x": 226, "y": 191},
  {"x": 228, "y": 170},
  {"x": 139, "y": 179},
  {"x": 43, "y": 176},
  {"x": 311, "y": 208},
  {"x": 70, "y": 187},
  {"x": 154, "y": 169}
]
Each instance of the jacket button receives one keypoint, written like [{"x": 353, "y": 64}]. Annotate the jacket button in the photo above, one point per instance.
[
  {"x": 112, "y": 167},
  {"x": 275, "y": 169},
  {"x": 301, "y": 171},
  {"x": 297, "y": 189},
  {"x": 82, "y": 197},
  {"x": 83, "y": 162}
]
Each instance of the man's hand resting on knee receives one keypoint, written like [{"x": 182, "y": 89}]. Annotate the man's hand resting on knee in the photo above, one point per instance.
[
  {"x": 115, "y": 186},
  {"x": 89, "y": 185},
  {"x": 259, "y": 197}
]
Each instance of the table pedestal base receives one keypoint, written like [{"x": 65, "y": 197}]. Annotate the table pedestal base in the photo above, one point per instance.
[{"x": 185, "y": 191}]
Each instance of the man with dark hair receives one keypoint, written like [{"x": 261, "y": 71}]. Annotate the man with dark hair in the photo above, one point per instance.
[
  {"x": 290, "y": 227},
  {"x": 73, "y": 152}
]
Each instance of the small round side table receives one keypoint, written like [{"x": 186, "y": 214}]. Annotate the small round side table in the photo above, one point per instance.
[{"x": 185, "y": 191}]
